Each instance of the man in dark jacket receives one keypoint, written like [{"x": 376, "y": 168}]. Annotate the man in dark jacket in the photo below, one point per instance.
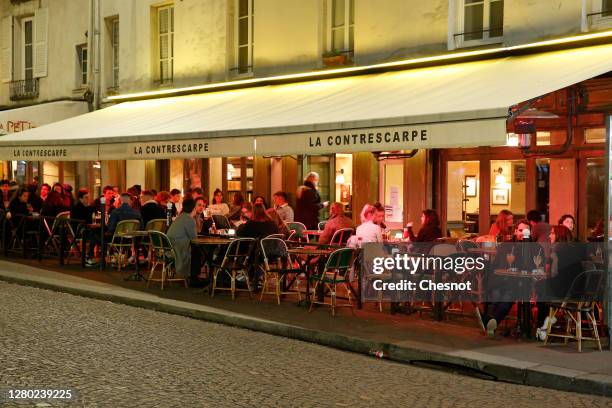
[
  {"x": 108, "y": 193},
  {"x": 309, "y": 202},
  {"x": 124, "y": 212},
  {"x": 150, "y": 210},
  {"x": 81, "y": 211}
]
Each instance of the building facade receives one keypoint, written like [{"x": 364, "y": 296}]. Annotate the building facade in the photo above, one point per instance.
[{"x": 140, "y": 46}]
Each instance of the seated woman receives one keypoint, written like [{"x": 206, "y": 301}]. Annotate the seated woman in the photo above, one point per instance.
[
  {"x": 180, "y": 233},
  {"x": 236, "y": 207},
  {"x": 19, "y": 207},
  {"x": 565, "y": 264},
  {"x": 429, "y": 232},
  {"x": 568, "y": 221},
  {"x": 502, "y": 226},
  {"x": 259, "y": 225},
  {"x": 218, "y": 205},
  {"x": 369, "y": 230},
  {"x": 280, "y": 224}
]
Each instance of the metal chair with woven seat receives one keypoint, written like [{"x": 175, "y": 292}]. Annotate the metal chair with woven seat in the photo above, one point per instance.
[
  {"x": 235, "y": 264},
  {"x": 335, "y": 272},
  {"x": 222, "y": 222},
  {"x": 122, "y": 240},
  {"x": 341, "y": 236},
  {"x": 321, "y": 225},
  {"x": 277, "y": 267},
  {"x": 157, "y": 224},
  {"x": 297, "y": 231},
  {"x": 581, "y": 300},
  {"x": 163, "y": 254},
  {"x": 55, "y": 231}
]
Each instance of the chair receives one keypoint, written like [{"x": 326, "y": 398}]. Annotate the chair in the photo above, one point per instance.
[
  {"x": 297, "y": 229},
  {"x": 235, "y": 263},
  {"x": 276, "y": 267},
  {"x": 157, "y": 224},
  {"x": 341, "y": 236},
  {"x": 162, "y": 254},
  {"x": 463, "y": 245},
  {"x": 335, "y": 272},
  {"x": 221, "y": 222},
  {"x": 321, "y": 225},
  {"x": 581, "y": 300},
  {"x": 122, "y": 239},
  {"x": 60, "y": 222},
  {"x": 279, "y": 236}
]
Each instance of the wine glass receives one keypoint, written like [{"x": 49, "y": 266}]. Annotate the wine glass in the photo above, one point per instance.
[
  {"x": 510, "y": 258},
  {"x": 537, "y": 260}
]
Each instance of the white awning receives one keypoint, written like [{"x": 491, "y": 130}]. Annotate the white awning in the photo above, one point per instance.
[
  {"x": 29, "y": 117},
  {"x": 463, "y": 104}
]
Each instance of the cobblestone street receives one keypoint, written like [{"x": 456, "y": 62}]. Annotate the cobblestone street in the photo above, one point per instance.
[{"x": 120, "y": 356}]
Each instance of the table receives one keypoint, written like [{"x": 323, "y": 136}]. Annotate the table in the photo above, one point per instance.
[
  {"x": 524, "y": 308},
  {"x": 310, "y": 253},
  {"x": 136, "y": 236},
  {"x": 205, "y": 240},
  {"x": 313, "y": 233}
]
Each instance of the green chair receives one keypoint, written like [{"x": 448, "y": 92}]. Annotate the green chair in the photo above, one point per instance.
[
  {"x": 163, "y": 254},
  {"x": 122, "y": 241},
  {"x": 336, "y": 272},
  {"x": 157, "y": 224},
  {"x": 297, "y": 231}
]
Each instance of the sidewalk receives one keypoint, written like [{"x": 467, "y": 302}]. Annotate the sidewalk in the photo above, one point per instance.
[{"x": 407, "y": 339}]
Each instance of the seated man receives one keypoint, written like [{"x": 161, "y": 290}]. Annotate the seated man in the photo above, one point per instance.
[
  {"x": 337, "y": 220},
  {"x": 284, "y": 210},
  {"x": 123, "y": 212},
  {"x": 150, "y": 209}
]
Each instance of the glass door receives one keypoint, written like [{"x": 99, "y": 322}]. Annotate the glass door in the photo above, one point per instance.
[{"x": 392, "y": 192}]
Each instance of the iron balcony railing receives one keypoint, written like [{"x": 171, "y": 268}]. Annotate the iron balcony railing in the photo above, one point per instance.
[{"x": 24, "y": 89}]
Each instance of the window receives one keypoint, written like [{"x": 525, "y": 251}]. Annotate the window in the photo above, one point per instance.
[
  {"x": 340, "y": 25},
  {"x": 244, "y": 35},
  {"x": 82, "y": 59},
  {"x": 598, "y": 13},
  {"x": 480, "y": 21},
  {"x": 165, "y": 29},
  {"x": 114, "y": 37},
  {"x": 27, "y": 25}
]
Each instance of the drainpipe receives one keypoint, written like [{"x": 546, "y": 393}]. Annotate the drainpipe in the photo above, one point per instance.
[
  {"x": 90, "y": 45},
  {"x": 96, "y": 55}
]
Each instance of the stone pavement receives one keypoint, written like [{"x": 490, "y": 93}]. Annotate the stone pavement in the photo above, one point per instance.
[
  {"x": 407, "y": 338},
  {"x": 113, "y": 355}
]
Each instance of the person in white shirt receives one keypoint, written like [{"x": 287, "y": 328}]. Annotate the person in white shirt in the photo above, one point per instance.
[
  {"x": 218, "y": 206},
  {"x": 284, "y": 210},
  {"x": 369, "y": 230}
]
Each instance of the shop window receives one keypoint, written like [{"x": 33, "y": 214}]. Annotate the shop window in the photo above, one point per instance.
[
  {"x": 51, "y": 172},
  {"x": 392, "y": 191},
  {"x": 340, "y": 30},
  {"x": 595, "y": 135},
  {"x": 463, "y": 196},
  {"x": 239, "y": 175},
  {"x": 595, "y": 191},
  {"x": 344, "y": 180},
  {"x": 508, "y": 187},
  {"x": 165, "y": 44},
  {"x": 244, "y": 35},
  {"x": 479, "y": 22},
  {"x": 69, "y": 174},
  {"x": 555, "y": 188}
]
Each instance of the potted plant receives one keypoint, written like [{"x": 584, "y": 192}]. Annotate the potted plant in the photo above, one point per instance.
[{"x": 334, "y": 58}]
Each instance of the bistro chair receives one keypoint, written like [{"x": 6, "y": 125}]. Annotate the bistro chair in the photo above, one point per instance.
[
  {"x": 336, "y": 272},
  {"x": 235, "y": 264},
  {"x": 277, "y": 266},
  {"x": 375, "y": 251},
  {"x": 341, "y": 236},
  {"x": 157, "y": 224},
  {"x": 278, "y": 236},
  {"x": 321, "y": 225},
  {"x": 221, "y": 222},
  {"x": 122, "y": 240},
  {"x": 580, "y": 301},
  {"x": 297, "y": 231},
  {"x": 59, "y": 226},
  {"x": 163, "y": 254}
]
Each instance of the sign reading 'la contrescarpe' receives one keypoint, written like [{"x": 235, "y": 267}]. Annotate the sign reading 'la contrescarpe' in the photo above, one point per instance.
[
  {"x": 59, "y": 153},
  {"x": 433, "y": 135}
]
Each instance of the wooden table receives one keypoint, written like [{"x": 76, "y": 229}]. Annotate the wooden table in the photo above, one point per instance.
[{"x": 204, "y": 240}]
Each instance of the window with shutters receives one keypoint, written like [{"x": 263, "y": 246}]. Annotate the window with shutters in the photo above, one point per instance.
[
  {"x": 244, "y": 36},
  {"x": 340, "y": 24},
  {"x": 27, "y": 49},
  {"x": 479, "y": 22},
  {"x": 599, "y": 14},
  {"x": 165, "y": 44}
]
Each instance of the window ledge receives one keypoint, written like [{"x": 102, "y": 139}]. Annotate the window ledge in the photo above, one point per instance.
[
  {"x": 79, "y": 91},
  {"x": 479, "y": 43}
]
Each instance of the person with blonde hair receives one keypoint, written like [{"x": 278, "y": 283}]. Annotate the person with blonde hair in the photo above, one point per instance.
[
  {"x": 369, "y": 230},
  {"x": 308, "y": 202}
]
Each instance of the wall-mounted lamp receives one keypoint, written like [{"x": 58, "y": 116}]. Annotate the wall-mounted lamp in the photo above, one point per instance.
[{"x": 340, "y": 177}]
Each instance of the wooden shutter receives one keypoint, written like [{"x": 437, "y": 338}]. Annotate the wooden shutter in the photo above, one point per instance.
[
  {"x": 41, "y": 24},
  {"x": 6, "y": 49}
]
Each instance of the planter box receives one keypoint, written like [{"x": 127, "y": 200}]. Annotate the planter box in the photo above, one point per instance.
[{"x": 335, "y": 61}]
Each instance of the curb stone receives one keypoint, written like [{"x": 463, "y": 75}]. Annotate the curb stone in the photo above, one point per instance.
[{"x": 526, "y": 373}]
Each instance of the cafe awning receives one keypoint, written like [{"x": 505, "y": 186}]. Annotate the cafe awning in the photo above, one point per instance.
[
  {"x": 29, "y": 117},
  {"x": 463, "y": 104}
]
